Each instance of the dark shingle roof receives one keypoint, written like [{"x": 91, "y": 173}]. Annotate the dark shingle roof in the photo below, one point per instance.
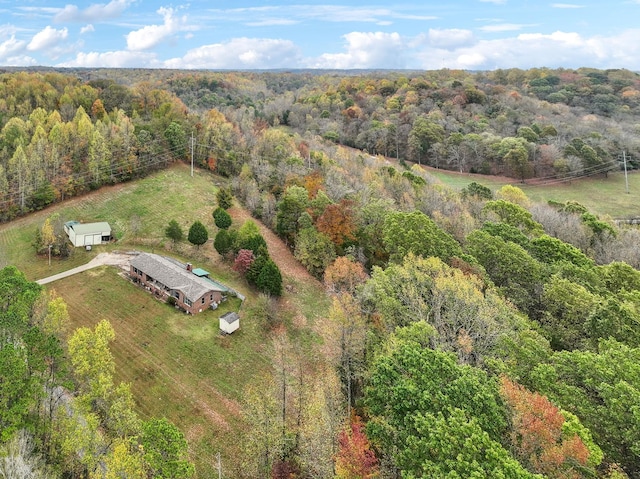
[
  {"x": 230, "y": 317},
  {"x": 174, "y": 275}
]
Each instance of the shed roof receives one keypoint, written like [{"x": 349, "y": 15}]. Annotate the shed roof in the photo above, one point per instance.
[
  {"x": 174, "y": 275},
  {"x": 200, "y": 272},
  {"x": 89, "y": 228},
  {"x": 230, "y": 317}
]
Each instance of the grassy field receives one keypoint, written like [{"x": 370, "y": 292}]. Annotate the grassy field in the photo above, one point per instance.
[
  {"x": 179, "y": 366},
  {"x": 604, "y": 196}
]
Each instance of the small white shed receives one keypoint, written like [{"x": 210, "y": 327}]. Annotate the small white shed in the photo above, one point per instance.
[
  {"x": 229, "y": 322},
  {"x": 87, "y": 234}
]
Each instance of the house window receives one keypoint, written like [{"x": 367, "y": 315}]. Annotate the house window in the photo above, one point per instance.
[
  {"x": 187, "y": 302},
  {"x": 203, "y": 300},
  {"x": 211, "y": 298},
  {"x": 176, "y": 294}
]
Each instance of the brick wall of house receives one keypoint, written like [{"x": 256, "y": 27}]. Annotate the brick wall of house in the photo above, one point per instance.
[{"x": 195, "y": 308}]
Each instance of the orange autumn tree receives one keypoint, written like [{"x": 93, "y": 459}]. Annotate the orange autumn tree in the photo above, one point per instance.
[
  {"x": 337, "y": 222},
  {"x": 542, "y": 439},
  {"x": 355, "y": 459},
  {"x": 344, "y": 276},
  {"x": 313, "y": 183}
]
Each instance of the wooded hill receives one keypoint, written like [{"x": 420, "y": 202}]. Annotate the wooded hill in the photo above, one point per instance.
[
  {"x": 477, "y": 334},
  {"x": 62, "y": 135}
]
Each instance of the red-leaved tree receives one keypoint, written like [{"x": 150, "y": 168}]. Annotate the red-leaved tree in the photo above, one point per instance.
[
  {"x": 538, "y": 439},
  {"x": 355, "y": 459},
  {"x": 244, "y": 260}
]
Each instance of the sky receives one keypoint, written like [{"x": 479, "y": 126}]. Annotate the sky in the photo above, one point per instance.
[{"x": 290, "y": 34}]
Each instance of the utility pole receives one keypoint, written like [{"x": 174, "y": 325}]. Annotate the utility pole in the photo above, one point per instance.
[
  {"x": 219, "y": 467},
  {"x": 50, "y": 254},
  {"x": 192, "y": 140},
  {"x": 626, "y": 179}
]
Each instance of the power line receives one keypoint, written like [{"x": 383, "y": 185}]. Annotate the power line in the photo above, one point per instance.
[{"x": 146, "y": 162}]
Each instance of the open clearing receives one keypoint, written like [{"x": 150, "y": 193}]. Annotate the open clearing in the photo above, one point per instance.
[
  {"x": 179, "y": 366},
  {"x": 602, "y": 195}
]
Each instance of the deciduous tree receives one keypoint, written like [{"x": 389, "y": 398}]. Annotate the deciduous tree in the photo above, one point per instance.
[
  {"x": 314, "y": 250},
  {"x": 165, "y": 450},
  {"x": 243, "y": 261},
  {"x": 355, "y": 458},
  {"x": 293, "y": 203},
  {"x": 540, "y": 441},
  {"x": 603, "y": 389},
  {"x": 336, "y": 222},
  {"x": 344, "y": 276},
  {"x": 431, "y": 416},
  {"x": 416, "y": 233}
]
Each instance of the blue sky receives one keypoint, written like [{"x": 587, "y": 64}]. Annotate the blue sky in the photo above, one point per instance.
[{"x": 263, "y": 34}]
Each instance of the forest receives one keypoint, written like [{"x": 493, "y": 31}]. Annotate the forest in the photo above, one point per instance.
[{"x": 474, "y": 333}]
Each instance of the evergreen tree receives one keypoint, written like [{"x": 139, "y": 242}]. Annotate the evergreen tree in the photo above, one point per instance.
[
  {"x": 224, "y": 198},
  {"x": 198, "y": 234},
  {"x": 221, "y": 218},
  {"x": 174, "y": 231},
  {"x": 269, "y": 279},
  {"x": 223, "y": 242}
]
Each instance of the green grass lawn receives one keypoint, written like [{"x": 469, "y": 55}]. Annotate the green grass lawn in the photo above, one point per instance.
[
  {"x": 179, "y": 366},
  {"x": 603, "y": 196},
  {"x": 137, "y": 212}
]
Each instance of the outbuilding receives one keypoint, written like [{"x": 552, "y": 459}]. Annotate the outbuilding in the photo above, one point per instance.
[
  {"x": 88, "y": 234},
  {"x": 229, "y": 322}
]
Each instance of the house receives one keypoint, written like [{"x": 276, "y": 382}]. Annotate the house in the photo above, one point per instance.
[
  {"x": 229, "y": 322},
  {"x": 87, "y": 234},
  {"x": 169, "y": 278}
]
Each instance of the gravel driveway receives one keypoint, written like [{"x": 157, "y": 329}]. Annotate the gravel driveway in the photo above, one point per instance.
[{"x": 103, "y": 259}]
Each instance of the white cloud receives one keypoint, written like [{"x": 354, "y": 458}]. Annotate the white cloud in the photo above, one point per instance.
[
  {"x": 366, "y": 50},
  {"x": 271, "y": 22},
  {"x": 566, "y": 5},
  {"x": 503, "y": 27},
  {"x": 19, "y": 61},
  {"x": 47, "y": 38},
  {"x": 94, "y": 13},
  {"x": 116, "y": 59},
  {"x": 8, "y": 29},
  {"x": 241, "y": 53},
  {"x": 325, "y": 13},
  {"x": 10, "y": 48},
  {"x": 87, "y": 29},
  {"x": 497, "y": 2},
  {"x": 570, "y": 50},
  {"x": 151, "y": 35},
  {"x": 450, "y": 38}
]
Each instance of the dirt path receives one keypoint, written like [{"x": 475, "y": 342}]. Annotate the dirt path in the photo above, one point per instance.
[{"x": 288, "y": 264}]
